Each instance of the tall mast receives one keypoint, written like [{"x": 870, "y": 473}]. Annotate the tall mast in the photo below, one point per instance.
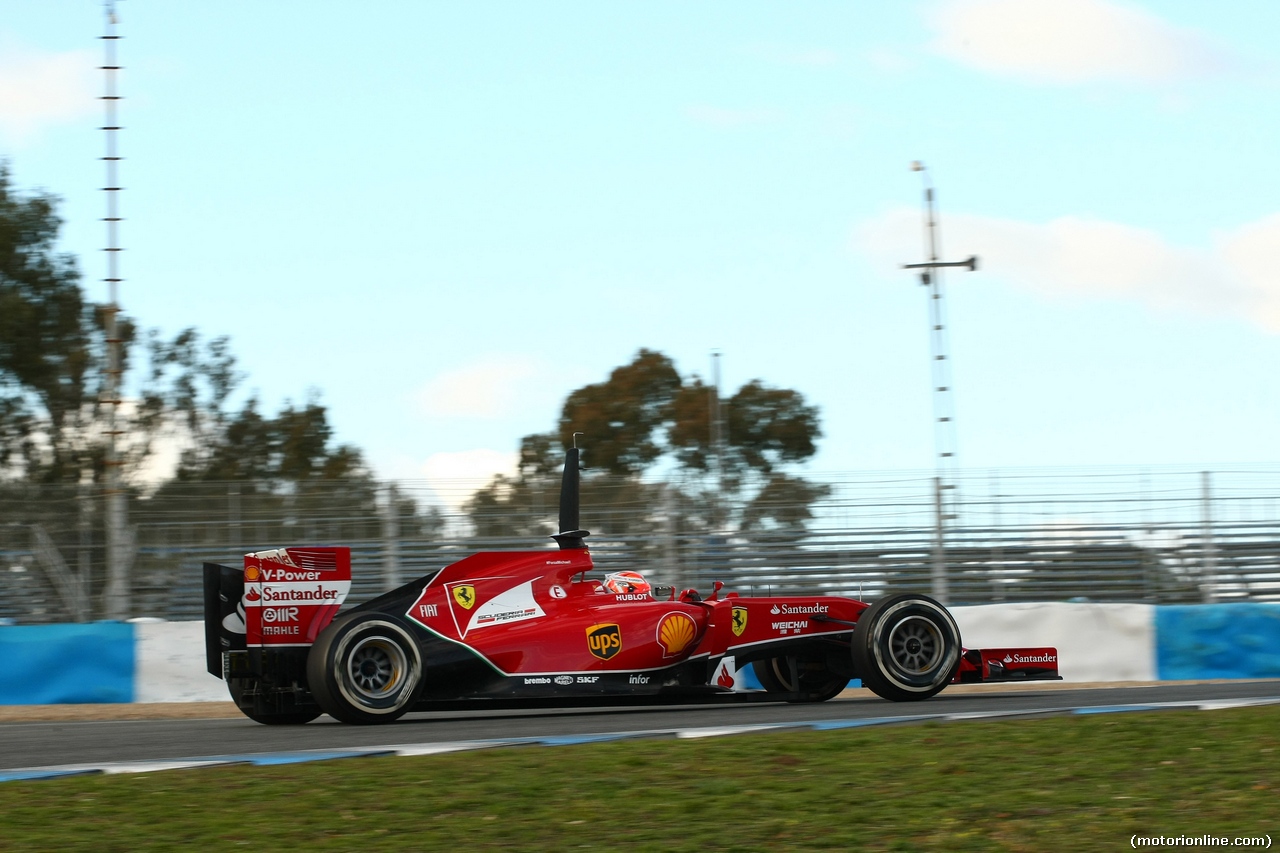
[
  {"x": 944, "y": 420},
  {"x": 116, "y": 593}
]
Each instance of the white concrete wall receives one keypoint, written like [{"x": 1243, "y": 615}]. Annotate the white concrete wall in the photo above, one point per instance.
[
  {"x": 170, "y": 665},
  {"x": 1095, "y": 642}
]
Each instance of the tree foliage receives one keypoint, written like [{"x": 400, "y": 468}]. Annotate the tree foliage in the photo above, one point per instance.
[
  {"x": 645, "y": 412},
  {"x": 625, "y": 414},
  {"x": 53, "y": 359},
  {"x": 51, "y": 344},
  {"x": 289, "y": 479},
  {"x": 293, "y": 446},
  {"x": 645, "y": 416}
]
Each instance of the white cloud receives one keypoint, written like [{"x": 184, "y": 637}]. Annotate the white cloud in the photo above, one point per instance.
[
  {"x": 1072, "y": 41},
  {"x": 491, "y": 388},
  {"x": 472, "y": 466},
  {"x": 455, "y": 477},
  {"x": 1094, "y": 259},
  {"x": 40, "y": 89},
  {"x": 450, "y": 479}
]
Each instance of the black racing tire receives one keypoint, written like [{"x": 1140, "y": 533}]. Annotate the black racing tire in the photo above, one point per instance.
[
  {"x": 237, "y": 687},
  {"x": 365, "y": 668},
  {"x": 765, "y": 674},
  {"x": 906, "y": 647},
  {"x": 817, "y": 682}
]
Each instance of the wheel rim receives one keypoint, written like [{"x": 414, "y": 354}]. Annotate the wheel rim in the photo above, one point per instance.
[
  {"x": 376, "y": 669},
  {"x": 916, "y": 645},
  {"x": 781, "y": 670}
]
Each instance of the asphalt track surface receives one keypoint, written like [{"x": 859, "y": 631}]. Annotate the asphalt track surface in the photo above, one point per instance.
[{"x": 36, "y": 744}]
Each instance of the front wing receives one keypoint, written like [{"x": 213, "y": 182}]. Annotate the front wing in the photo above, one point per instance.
[{"x": 988, "y": 666}]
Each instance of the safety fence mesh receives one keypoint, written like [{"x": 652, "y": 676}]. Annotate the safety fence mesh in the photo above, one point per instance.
[{"x": 1156, "y": 535}]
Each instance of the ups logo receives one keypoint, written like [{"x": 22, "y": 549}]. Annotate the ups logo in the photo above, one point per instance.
[{"x": 604, "y": 641}]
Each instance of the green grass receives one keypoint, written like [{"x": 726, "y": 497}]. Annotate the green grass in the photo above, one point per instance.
[{"x": 1069, "y": 783}]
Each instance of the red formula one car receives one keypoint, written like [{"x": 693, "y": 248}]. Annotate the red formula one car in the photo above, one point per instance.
[{"x": 533, "y": 628}]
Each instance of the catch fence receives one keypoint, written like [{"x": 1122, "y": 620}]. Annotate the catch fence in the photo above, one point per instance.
[{"x": 1158, "y": 535}]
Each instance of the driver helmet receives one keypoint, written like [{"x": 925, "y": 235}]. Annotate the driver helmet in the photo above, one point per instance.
[{"x": 620, "y": 583}]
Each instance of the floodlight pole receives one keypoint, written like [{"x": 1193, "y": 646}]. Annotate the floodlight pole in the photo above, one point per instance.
[
  {"x": 944, "y": 430},
  {"x": 117, "y": 588}
]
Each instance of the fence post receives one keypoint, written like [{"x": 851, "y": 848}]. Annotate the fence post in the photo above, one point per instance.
[
  {"x": 84, "y": 557},
  {"x": 940, "y": 591},
  {"x": 1208, "y": 550},
  {"x": 233, "y": 514},
  {"x": 391, "y": 540},
  {"x": 671, "y": 547}
]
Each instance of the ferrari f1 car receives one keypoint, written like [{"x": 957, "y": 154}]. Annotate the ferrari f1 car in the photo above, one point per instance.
[{"x": 535, "y": 628}]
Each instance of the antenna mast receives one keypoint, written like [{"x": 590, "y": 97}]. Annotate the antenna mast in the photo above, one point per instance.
[
  {"x": 116, "y": 593},
  {"x": 944, "y": 427}
]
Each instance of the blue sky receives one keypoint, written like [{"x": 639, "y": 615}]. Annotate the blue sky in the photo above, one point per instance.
[{"x": 446, "y": 216}]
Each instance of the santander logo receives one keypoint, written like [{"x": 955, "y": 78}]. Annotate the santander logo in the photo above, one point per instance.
[{"x": 1041, "y": 658}]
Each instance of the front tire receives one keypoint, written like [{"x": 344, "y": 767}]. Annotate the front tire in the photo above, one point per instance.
[
  {"x": 365, "y": 668},
  {"x": 906, "y": 647},
  {"x": 817, "y": 682}
]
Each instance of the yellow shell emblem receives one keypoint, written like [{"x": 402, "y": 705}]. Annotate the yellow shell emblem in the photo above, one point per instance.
[
  {"x": 675, "y": 633},
  {"x": 465, "y": 595}
]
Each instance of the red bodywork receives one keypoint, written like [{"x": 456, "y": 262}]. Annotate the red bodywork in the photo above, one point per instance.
[
  {"x": 291, "y": 594},
  {"x": 526, "y": 627},
  {"x": 535, "y": 613}
]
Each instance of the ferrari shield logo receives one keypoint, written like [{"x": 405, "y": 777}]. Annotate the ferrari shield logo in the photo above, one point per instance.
[
  {"x": 739, "y": 621},
  {"x": 465, "y": 595},
  {"x": 604, "y": 641}
]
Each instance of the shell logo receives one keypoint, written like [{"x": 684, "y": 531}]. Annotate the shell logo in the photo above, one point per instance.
[
  {"x": 675, "y": 633},
  {"x": 251, "y": 574}
]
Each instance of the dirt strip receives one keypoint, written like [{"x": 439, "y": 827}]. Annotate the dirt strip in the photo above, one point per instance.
[
  {"x": 123, "y": 711},
  {"x": 225, "y": 710}
]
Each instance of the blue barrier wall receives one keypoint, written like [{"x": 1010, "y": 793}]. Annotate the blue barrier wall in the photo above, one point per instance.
[
  {"x": 1198, "y": 641},
  {"x": 72, "y": 664}
]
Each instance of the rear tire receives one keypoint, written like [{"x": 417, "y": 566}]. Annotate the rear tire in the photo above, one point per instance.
[
  {"x": 817, "y": 682},
  {"x": 906, "y": 647},
  {"x": 238, "y": 687},
  {"x": 365, "y": 668}
]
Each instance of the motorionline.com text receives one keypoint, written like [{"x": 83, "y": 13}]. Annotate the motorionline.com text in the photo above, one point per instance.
[{"x": 1261, "y": 841}]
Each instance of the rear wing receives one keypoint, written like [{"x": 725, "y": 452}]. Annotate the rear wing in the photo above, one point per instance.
[{"x": 281, "y": 598}]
